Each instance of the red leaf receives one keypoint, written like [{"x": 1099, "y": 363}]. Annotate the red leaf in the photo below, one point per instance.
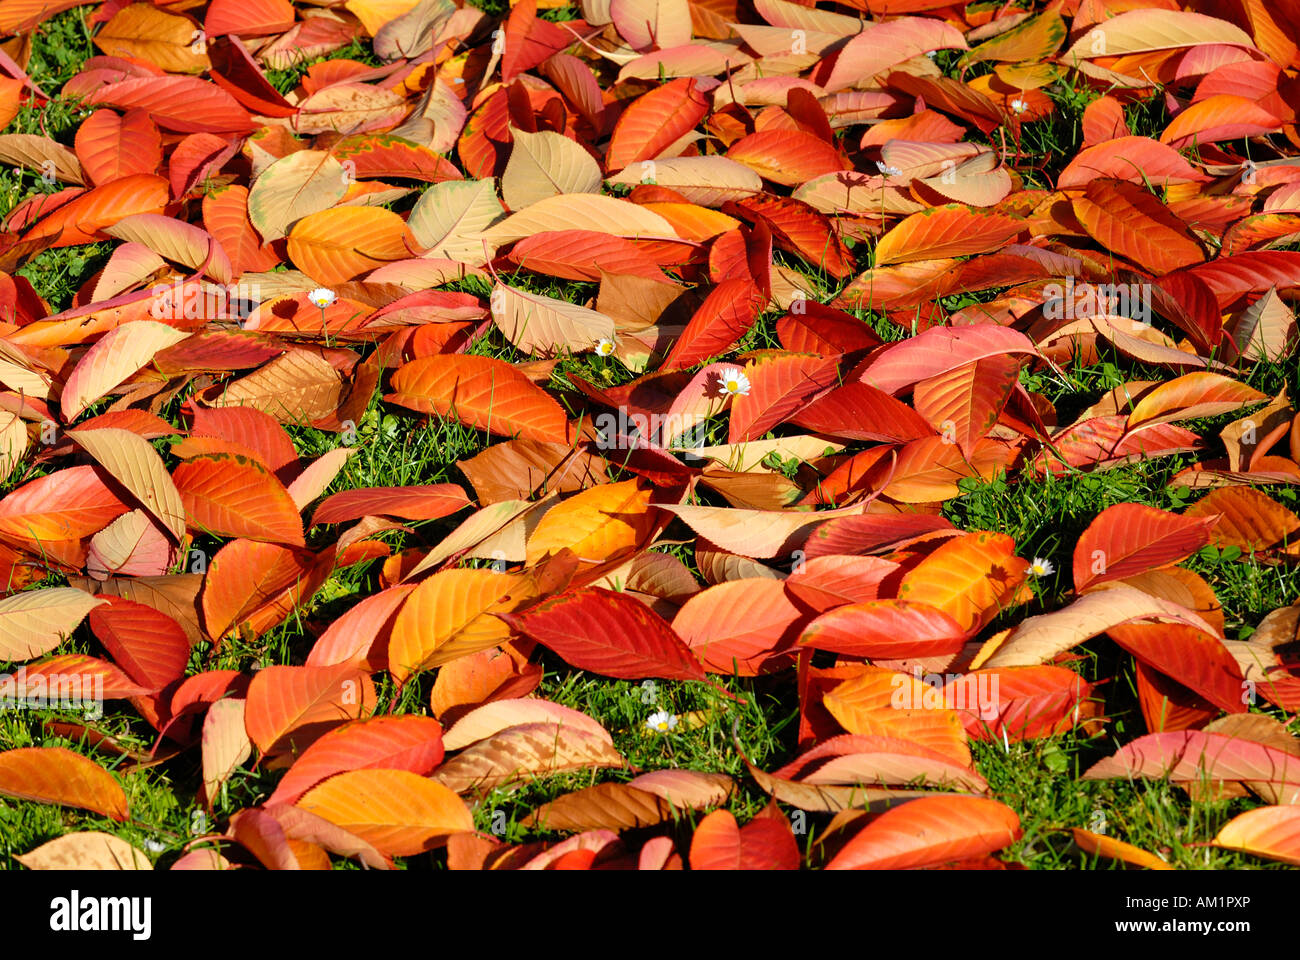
[
  {"x": 427, "y": 502},
  {"x": 743, "y": 627},
  {"x": 726, "y": 314},
  {"x": 529, "y": 40},
  {"x": 1024, "y": 702},
  {"x": 149, "y": 645},
  {"x": 187, "y": 104},
  {"x": 251, "y": 428},
  {"x": 777, "y": 388},
  {"x": 802, "y": 230},
  {"x": 1132, "y": 538},
  {"x": 1193, "y": 658},
  {"x": 392, "y": 743},
  {"x": 248, "y": 18},
  {"x": 608, "y": 633},
  {"x": 858, "y": 411},
  {"x": 76, "y": 676},
  {"x": 654, "y": 121},
  {"x": 831, "y": 581},
  {"x": 811, "y": 327},
  {"x": 112, "y": 147},
  {"x": 939, "y": 350},
  {"x": 885, "y": 629}
]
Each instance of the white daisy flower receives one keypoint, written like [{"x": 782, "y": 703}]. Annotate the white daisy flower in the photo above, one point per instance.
[
  {"x": 604, "y": 347},
  {"x": 661, "y": 722},
  {"x": 887, "y": 170},
  {"x": 322, "y": 297},
  {"x": 1041, "y": 567},
  {"x": 1019, "y": 106},
  {"x": 931, "y": 53},
  {"x": 733, "y": 381},
  {"x": 154, "y": 845}
]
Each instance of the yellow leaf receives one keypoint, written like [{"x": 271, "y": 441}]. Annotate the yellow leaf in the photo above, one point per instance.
[
  {"x": 597, "y": 524},
  {"x": 398, "y": 812},
  {"x": 336, "y": 245},
  {"x": 450, "y": 615}
]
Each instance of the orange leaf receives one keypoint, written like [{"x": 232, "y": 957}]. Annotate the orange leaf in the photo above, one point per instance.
[
  {"x": 391, "y": 743},
  {"x": 885, "y": 703},
  {"x": 608, "y": 633},
  {"x": 225, "y": 216},
  {"x": 111, "y": 147},
  {"x": 597, "y": 524},
  {"x": 1271, "y": 832},
  {"x": 81, "y": 219},
  {"x": 1199, "y": 394},
  {"x": 930, "y": 831},
  {"x": 1195, "y": 659},
  {"x": 762, "y": 844},
  {"x": 779, "y": 388},
  {"x": 1219, "y": 117},
  {"x": 964, "y": 403},
  {"x": 57, "y": 775},
  {"x": 1102, "y": 846},
  {"x": 952, "y": 230},
  {"x": 233, "y": 496},
  {"x": 482, "y": 392},
  {"x": 1132, "y": 538},
  {"x": 65, "y": 505},
  {"x": 398, "y": 812},
  {"x": 257, "y": 584},
  {"x": 289, "y": 708},
  {"x": 654, "y": 121},
  {"x": 428, "y": 502},
  {"x": 340, "y": 243},
  {"x": 788, "y": 157},
  {"x": 449, "y": 615},
  {"x": 1247, "y": 518},
  {"x": 1125, "y": 218},
  {"x": 885, "y": 629},
  {"x": 970, "y": 578}
]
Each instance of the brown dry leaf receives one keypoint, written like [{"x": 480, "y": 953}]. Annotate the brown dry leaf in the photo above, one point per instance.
[
  {"x": 297, "y": 388},
  {"x": 85, "y": 850},
  {"x": 523, "y": 752}
]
